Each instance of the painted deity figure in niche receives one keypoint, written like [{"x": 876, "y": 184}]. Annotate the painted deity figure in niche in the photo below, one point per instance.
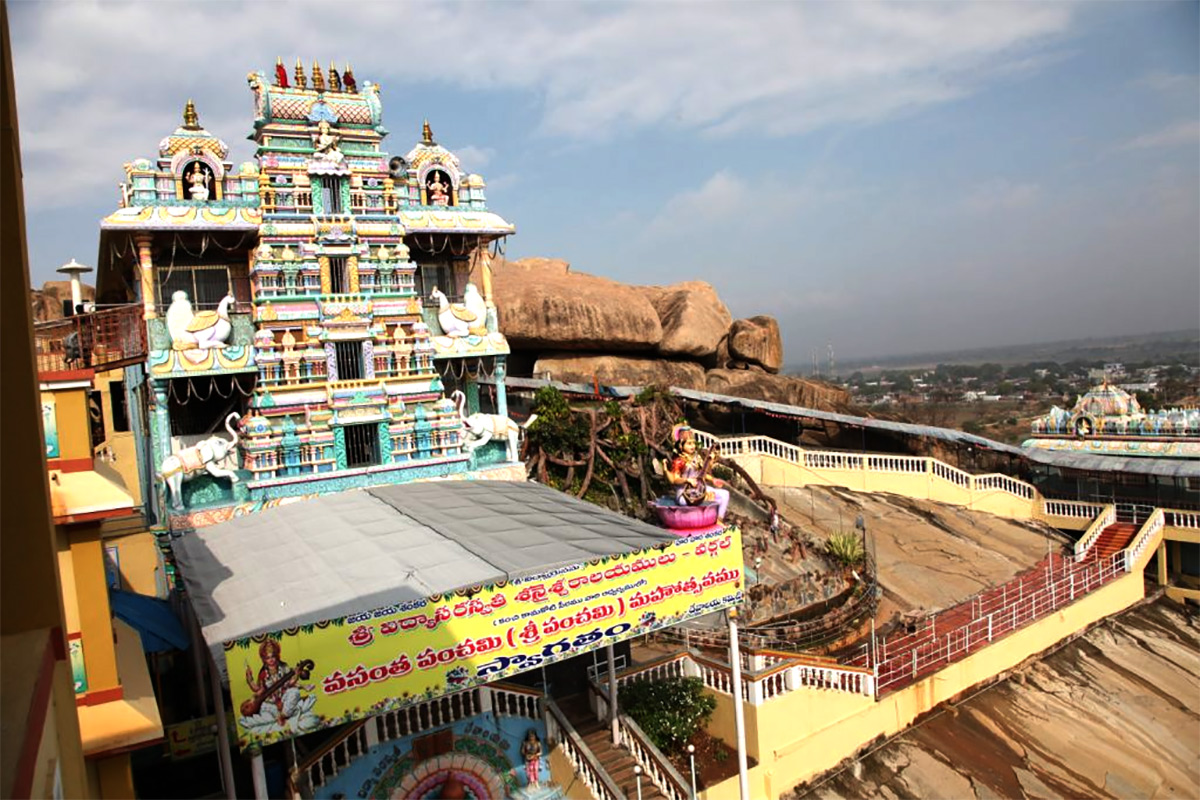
[
  {"x": 691, "y": 474},
  {"x": 438, "y": 190},
  {"x": 531, "y": 754},
  {"x": 198, "y": 182},
  {"x": 280, "y": 701},
  {"x": 325, "y": 144}
]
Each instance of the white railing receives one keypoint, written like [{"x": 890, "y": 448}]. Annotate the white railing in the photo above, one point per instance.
[
  {"x": 1071, "y": 509},
  {"x": 734, "y": 446},
  {"x": 560, "y": 733},
  {"x": 941, "y": 469},
  {"x": 431, "y": 714},
  {"x": 654, "y": 764},
  {"x": 1182, "y": 519},
  {"x": 1106, "y": 517},
  {"x": 324, "y": 765},
  {"x": 1003, "y": 483},
  {"x": 1145, "y": 537},
  {"x": 511, "y": 701}
]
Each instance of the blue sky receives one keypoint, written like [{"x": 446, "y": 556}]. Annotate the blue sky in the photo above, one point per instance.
[{"x": 885, "y": 178}]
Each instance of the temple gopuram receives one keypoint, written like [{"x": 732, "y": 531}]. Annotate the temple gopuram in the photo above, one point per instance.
[
  {"x": 1109, "y": 421},
  {"x": 310, "y": 313}
]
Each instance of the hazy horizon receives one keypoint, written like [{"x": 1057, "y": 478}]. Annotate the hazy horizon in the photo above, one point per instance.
[{"x": 885, "y": 178}]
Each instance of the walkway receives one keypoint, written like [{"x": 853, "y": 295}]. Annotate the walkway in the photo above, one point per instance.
[{"x": 616, "y": 761}]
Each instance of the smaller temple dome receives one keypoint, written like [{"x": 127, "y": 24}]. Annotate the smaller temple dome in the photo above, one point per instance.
[
  {"x": 1108, "y": 401},
  {"x": 191, "y": 137}
]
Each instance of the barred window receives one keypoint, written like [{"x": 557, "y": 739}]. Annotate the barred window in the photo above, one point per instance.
[
  {"x": 362, "y": 445},
  {"x": 349, "y": 360},
  {"x": 339, "y": 277},
  {"x": 206, "y": 284}
]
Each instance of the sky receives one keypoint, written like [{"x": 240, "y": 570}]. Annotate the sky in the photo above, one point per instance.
[{"x": 882, "y": 178}]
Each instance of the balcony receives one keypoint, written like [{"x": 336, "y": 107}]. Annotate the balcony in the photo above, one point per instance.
[{"x": 102, "y": 340}]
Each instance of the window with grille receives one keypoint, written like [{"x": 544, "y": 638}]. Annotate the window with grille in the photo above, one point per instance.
[
  {"x": 349, "y": 360},
  {"x": 206, "y": 284},
  {"x": 440, "y": 275},
  {"x": 331, "y": 195},
  {"x": 339, "y": 276},
  {"x": 362, "y": 445}
]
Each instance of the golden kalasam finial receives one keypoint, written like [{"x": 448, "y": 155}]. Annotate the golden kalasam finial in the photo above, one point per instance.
[
  {"x": 301, "y": 78},
  {"x": 426, "y": 134},
  {"x": 335, "y": 83},
  {"x": 191, "y": 120},
  {"x": 318, "y": 77}
]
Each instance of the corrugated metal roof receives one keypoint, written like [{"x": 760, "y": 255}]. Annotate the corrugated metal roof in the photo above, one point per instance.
[{"x": 340, "y": 554}]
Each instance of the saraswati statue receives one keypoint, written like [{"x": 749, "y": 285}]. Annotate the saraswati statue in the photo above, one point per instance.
[{"x": 690, "y": 473}]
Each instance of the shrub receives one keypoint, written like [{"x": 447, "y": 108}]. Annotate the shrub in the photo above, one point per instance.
[
  {"x": 669, "y": 711},
  {"x": 845, "y": 547}
]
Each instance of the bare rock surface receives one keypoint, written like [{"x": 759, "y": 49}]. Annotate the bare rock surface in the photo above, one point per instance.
[
  {"x": 757, "y": 385},
  {"x": 757, "y": 341},
  {"x": 543, "y": 305},
  {"x": 1114, "y": 714},
  {"x": 930, "y": 555},
  {"x": 693, "y": 319},
  {"x": 616, "y": 370}
]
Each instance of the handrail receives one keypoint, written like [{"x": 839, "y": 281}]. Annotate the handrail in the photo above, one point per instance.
[
  {"x": 1072, "y": 509},
  {"x": 599, "y": 783},
  {"x": 302, "y": 776},
  {"x": 654, "y": 764},
  {"x": 1175, "y": 518},
  {"x": 1106, "y": 517},
  {"x": 1150, "y": 528}
]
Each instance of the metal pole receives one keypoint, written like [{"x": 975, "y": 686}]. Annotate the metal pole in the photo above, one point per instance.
[
  {"x": 259, "y": 773},
  {"x": 735, "y": 664},
  {"x": 222, "y": 733},
  {"x": 692, "y": 758},
  {"x": 637, "y": 774},
  {"x": 612, "y": 696}
]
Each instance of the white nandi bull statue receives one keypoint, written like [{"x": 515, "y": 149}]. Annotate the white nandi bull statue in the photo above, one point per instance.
[
  {"x": 482, "y": 428},
  {"x": 203, "y": 455}
]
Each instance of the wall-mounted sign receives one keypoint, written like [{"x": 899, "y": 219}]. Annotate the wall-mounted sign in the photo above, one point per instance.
[
  {"x": 295, "y": 681},
  {"x": 78, "y": 670},
  {"x": 194, "y": 737},
  {"x": 50, "y": 426}
]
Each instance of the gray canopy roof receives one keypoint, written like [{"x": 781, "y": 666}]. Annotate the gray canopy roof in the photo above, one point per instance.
[{"x": 344, "y": 553}]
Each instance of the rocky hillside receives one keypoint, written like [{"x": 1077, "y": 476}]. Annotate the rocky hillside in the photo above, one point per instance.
[{"x": 578, "y": 328}]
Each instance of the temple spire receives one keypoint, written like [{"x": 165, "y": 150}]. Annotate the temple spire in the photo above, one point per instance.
[
  {"x": 318, "y": 77},
  {"x": 427, "y": 134},
  {"x": 348, "y": 79},
  {"x": 191, "y": 120},
  {"x": 281, "y": 78},
  {"x": 301, "y": 78},
  {"x": 335, "y": 83}
]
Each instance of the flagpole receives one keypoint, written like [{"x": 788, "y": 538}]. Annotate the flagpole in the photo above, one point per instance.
[{"x": 735, "y": 663}]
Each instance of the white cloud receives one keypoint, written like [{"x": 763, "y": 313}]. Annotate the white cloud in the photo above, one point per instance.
[
  {"x": 1185, "y": 132},
  {"x": 474, "y": 158},
  {"x": 1168, "y": 82},
  {"x": 1002, "y": 195},
  {"x": 104, "y": 72}
]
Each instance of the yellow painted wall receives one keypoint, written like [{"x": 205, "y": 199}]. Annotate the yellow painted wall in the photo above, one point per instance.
[
  {"x": 121, "y": 444},
  {"x": 139, "y": 562},
  {"x": 74, "y": 430},
  {"x": 95, "y": 617},
  {"x": 803, "y": 733},
  {"x": 66, "y": 568}
]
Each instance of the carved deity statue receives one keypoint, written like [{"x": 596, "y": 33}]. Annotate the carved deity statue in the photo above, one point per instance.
[
  {"x": 197, "y": 182},
  {"x": 325, "y": 144}
]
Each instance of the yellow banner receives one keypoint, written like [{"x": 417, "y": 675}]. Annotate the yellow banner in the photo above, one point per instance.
[{"x": 295, "y": 681}]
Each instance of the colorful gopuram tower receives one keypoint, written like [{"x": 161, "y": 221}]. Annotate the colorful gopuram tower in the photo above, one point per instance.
[{"x": 332, "y": 295}]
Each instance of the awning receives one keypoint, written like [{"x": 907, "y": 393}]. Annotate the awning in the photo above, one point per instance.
[
  {"x": 340, "y": 554},
  {"x": 152, "y": 618}
]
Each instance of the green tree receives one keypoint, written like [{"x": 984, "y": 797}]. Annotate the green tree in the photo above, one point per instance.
[{"x": 670, "y": 711}]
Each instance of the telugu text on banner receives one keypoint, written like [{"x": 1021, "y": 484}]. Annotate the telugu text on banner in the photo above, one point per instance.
[{"x": 298, "y": 680}]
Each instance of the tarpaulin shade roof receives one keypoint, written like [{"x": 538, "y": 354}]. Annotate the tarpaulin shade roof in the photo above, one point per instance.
[{"x": 337, "y": 555}]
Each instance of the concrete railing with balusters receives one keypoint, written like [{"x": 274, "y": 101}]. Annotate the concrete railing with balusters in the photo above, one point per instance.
[
  {"x": 855, "y": 464},
  {"x": 560, "y": 733},
  {"x": 1181, "y": 519},
  {"x": 1071, "y": 509},
  {"x": 654, "y": 764},
  {"x": 1105, "y": 518},
  {"x": 1148, "y": 536}
]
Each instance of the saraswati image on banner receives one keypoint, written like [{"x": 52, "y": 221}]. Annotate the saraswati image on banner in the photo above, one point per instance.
[{"x": 290, "y": 682}]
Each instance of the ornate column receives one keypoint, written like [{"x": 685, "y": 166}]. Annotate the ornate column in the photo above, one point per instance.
[
  {"x": 146, "y": 269},
  {"x": 501, "y": 394},
  {"x": 161, "y": 426}
]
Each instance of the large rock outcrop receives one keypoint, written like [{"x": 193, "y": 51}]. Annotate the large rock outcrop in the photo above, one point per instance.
[
  {"x": 755, "y": 385},
  {"x": 757, "y": 341},
  {"x": 579, "y": 328},
  {"x": 620, "y": 370},
  {"x": 693, "y": 318},
  {"x": 543, "y": 305}
]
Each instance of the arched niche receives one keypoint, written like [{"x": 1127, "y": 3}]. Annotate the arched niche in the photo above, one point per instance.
[
  {"x": 184, "y": 165},
  {"x": 436, "y": 173}
]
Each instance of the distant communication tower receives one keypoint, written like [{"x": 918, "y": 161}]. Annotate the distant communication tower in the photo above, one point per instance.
[
  {"x": 816, "y": 369},
  {"x": 829, "y": 349}
]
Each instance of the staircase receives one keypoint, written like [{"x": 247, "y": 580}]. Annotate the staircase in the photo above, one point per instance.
[
  {"x": 1113, "y": 538},
  {"x": 616, "y": 761}
]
